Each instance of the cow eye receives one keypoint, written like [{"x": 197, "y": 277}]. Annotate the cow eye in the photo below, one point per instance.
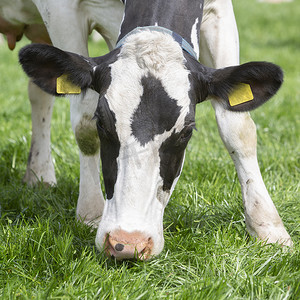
[
  {"x": 186, "y": 134},
  {"x": 183, "y": 137},
  {"x": 100, "y": 127},
  {"x": 104, "y": 132}
]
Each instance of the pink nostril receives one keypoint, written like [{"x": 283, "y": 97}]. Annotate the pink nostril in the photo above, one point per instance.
[{"x": 125, "y": 245}]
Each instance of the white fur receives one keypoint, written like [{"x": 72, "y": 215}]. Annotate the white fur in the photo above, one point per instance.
[
  {"x": 20, "y": 11},
  {"x": 195, "y": 37},
  {"x": 40, "y": 165}
]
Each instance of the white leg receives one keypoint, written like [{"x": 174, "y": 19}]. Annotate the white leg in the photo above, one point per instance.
[
  {"x": 90, "y": 202},
  {"x": 68, "y": 30},
  {"x": 40, "y": 166},
  {"x": 220, "y": 48}
]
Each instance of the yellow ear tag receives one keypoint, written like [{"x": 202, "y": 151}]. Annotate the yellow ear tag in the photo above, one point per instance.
[
  {"x": 241, "y": 94},
  {"x": 65, "y": 86}
]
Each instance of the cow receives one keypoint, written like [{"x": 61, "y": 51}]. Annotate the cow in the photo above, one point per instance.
[
  {"x": 67, "y": 25},
  {"x": 147, "y": 90}
]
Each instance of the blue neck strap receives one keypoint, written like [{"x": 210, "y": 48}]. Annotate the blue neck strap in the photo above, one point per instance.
[{"x": 179, "y": 39}]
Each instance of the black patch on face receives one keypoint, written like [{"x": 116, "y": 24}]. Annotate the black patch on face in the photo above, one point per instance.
[
  {"x": 156, "y": 113},
  {"x": 109, "y": 145},
  {"x": 171, "y": 155}
]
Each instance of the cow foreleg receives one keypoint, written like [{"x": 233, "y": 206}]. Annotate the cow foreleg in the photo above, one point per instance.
[
  {"x": 40, "y": 166},
  {"x": 68, "y": 28},
  {"x": 90, "y": 202},
  {"x": 220, "y": 48}
]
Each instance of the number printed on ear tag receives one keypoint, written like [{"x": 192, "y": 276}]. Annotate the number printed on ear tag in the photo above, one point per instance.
[
  {"x": 241, "y": 94},
  {"x": 65, "y": 86}
]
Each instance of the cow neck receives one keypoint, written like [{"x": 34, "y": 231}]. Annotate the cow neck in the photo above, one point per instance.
[
  {"x": 179, "y": 16},
  {"x": 179, "y": 39}
]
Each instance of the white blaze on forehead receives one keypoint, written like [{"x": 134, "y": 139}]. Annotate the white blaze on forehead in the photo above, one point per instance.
[{"x": 124, "y": 94}]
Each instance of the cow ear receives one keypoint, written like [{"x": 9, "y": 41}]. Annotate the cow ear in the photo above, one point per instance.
[
  {"x": 55, "y": 71},
  {"x": 245, "y": 87}
]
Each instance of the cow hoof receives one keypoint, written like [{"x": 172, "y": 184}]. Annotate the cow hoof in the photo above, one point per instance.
[
  {"x": 273, "y": 235},
  {"x": 92, "y": 222},
  {"x": 284, "y": 242},
  {"x": 32, "y": 179}
]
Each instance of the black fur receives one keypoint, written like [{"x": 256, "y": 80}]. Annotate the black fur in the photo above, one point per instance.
[
  {"x": 156, "y": 113},
  {"x": 171, "y": 155},
  {"x": 102, "y": 76},
  {"x": 176, "y": 15},
  {"x": 110, "y": 145}
]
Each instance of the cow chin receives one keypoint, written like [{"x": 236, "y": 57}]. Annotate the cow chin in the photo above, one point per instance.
[{"x": 131, "y": 232}]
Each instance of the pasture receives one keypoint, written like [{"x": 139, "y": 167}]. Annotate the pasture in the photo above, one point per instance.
[{"x": 45, "y": 253}]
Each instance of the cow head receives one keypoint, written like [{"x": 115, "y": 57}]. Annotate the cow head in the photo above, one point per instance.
[{"x": 148, "y": 91}]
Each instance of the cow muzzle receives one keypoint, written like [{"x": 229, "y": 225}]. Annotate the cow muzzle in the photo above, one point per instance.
[{"x": 128, "y": 245}]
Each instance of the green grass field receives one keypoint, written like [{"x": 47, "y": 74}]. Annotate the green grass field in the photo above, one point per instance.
[{"x": 46, "y": 254}]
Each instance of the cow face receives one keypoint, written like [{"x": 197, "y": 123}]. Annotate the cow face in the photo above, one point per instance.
[
  {"x": 148, "y": 91},
  {"x": 145, "y": 120}
]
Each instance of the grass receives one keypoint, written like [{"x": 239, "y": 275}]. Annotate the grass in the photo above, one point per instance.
[{"x": 45, "y": 253}]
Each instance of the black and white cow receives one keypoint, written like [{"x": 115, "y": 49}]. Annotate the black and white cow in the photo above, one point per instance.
[
  {"x": 148, "y": 88},
  {"x": 66, "y": 24}
]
